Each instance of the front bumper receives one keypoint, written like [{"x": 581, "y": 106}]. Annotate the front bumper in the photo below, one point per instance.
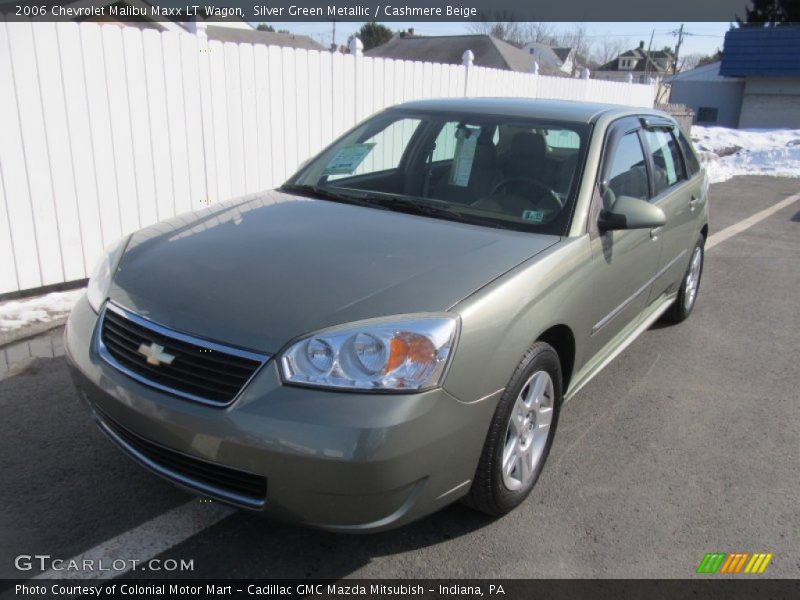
[{"x": 335, "y": 460}]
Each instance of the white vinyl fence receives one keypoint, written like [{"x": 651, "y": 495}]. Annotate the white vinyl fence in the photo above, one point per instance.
[{"x": 107, "y": 129}]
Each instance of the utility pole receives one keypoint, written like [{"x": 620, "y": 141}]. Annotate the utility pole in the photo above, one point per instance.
[
  {"x": 648, "y": 59},
  {"x": 677, "y": 49}
]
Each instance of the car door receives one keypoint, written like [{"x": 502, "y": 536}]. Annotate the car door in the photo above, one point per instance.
[
  {"x": 679, "y": 196},
  {"x": 623, "y": 262}
]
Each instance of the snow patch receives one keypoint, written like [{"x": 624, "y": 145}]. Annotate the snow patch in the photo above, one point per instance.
[
  {"x": 726, "y": 153},
  {"x": 41, "y": 309}
]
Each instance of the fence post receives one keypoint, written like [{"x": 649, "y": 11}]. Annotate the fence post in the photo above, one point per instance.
[
  {"x": 356, "y": 48},
  {"x": 206, "y": 114},
  {"x": 467, "y": 59}
]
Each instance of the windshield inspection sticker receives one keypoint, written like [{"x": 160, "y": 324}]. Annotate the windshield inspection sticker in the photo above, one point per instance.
[
  {"x": 535, "y": 216},
  {"x": 347, "y": 159},
  {"x": 466, "y": 141}
]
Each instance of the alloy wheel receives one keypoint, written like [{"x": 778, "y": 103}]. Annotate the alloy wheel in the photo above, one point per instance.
[
  {"x": 528, "y": 430},
  {"x": 693, "y": 278}
]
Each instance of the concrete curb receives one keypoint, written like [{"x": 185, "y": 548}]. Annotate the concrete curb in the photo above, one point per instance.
[{"x": 28, "y": 331}]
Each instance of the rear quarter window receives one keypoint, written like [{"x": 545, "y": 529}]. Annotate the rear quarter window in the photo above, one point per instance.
[
  {"x": 692, "y": 164},
  {"x": 667, "y": 163}
]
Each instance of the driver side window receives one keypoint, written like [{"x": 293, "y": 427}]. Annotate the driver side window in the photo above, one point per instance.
[{"x": 627, "y": 173}]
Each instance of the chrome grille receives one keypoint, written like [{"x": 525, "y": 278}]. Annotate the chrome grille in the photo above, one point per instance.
[{"x": 201, "y": 370}]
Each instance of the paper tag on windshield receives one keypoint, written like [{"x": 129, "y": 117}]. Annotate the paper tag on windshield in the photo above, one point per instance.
[
  {"x": 464, "y": 156},
  {"x": 535, "y": 216},
  {"x": 347, "y": 159}
]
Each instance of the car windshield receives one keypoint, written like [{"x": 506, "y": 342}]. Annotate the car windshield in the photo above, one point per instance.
[{"x": 488, "y": 170}]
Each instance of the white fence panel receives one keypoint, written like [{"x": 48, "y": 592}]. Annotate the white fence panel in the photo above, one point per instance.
[
  {"x": 131, "y": 198},
  {"x": 176, "y": 110},
  {"x": 108, "y": 129},
  {"x": 35, "y": 152},
  {"x": 99, "y": 121},
  {"x": 59, "y": 157},
  {"x": 219, "y": 82},
  {"x": 81, "y": 153}
]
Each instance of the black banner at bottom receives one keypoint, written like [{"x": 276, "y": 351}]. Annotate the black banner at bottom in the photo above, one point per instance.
[{"x": 422, "y": 589}]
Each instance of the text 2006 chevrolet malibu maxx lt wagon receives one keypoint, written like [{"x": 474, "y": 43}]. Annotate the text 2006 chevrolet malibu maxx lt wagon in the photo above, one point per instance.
[{"x": 398, "y": 325}]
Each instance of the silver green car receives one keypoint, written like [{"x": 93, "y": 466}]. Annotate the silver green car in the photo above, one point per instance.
[{"x": 398, "y": 326}]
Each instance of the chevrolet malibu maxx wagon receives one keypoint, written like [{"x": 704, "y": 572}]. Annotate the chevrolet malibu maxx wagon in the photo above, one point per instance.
[{"x": 398, "y": 325}]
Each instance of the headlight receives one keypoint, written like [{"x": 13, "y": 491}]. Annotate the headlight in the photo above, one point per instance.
[
  {"x": 100, "y": 281},
  {"x": 407, "y": 353}
]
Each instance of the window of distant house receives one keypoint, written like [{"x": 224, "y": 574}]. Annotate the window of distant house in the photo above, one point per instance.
[{"x": 707, "y": 114}]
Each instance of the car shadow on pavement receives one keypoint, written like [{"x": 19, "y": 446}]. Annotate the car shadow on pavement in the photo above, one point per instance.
[{"x": 249, "y": 546}]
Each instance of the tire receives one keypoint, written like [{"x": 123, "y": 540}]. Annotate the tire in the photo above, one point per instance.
[
  {"x": 518, "y": 423},
  {"x": 690, "y": 286}
]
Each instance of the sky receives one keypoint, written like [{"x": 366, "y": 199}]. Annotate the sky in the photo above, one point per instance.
[{"x": 705, "y": 37}]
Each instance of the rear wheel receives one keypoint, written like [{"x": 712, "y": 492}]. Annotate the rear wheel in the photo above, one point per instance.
[
  {"x": 687, "y": 295},
  {"x": 520, "y": 434}
]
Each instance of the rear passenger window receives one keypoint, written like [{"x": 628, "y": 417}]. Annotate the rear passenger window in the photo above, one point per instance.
[
  {"x": 690, "y": 158},
  {"x": 627, "y": 174},
  {"x": 668, "y": 168}
]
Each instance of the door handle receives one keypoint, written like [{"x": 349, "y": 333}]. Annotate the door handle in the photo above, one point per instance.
[
  {"x": 655, "y": 232},
  {"x": 693, "y": 202}
]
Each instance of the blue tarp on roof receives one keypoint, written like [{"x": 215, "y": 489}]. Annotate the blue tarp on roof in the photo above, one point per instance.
[{"x": 763, "y": 51}]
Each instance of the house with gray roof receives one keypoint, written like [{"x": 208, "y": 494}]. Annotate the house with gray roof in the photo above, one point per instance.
[
  {"x": 564, "y": 59},
  {"x": 254, "y": 36},
  {"x": 488, "y": 50},
  {"x": 136, "y": 13},
  {"x": 638, "y": 64}
]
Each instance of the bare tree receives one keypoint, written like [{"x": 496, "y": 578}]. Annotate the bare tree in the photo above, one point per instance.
[
  {"x": 539, "y": 32},
  {"x": 578, "y": 39},
  {"x": 689, "y": 62},
  {"x": 508, "y": 31},
  {"x": 608, "y": 48}
]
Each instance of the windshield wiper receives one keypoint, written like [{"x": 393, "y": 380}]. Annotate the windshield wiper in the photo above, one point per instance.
[
  {"x": 328, "y": 194},
  {"x": 409, "y": 205},
  {"x": 413, "y": 206}
]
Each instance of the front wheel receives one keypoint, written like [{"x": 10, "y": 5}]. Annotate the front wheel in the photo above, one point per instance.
[
  {"x": 687, "y": 294},
  {"x": 520, "y": 434}
]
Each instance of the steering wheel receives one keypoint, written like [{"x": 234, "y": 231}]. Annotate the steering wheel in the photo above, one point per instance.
[{"x": 550, "y": 194}]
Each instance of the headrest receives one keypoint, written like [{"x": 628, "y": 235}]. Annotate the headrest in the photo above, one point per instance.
[
  {"x": 527, "y": 144},
  {"x": 485, "y": 155}
]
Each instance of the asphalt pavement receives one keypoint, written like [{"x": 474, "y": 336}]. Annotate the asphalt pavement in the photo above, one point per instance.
[{"x": 689, "y": 442}]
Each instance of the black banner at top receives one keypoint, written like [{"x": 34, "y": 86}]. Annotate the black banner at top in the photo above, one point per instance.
[{"x": 376, "y": 10}]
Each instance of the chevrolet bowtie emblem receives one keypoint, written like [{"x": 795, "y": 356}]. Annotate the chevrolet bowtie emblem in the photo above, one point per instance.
[{"x": 155, "y": 354}]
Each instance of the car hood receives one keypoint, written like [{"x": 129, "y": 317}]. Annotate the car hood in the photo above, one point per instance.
[{"x": 259, "y": 271}]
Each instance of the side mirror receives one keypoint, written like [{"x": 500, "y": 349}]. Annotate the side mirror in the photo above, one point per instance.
[{"x": 631, "y": 213}]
